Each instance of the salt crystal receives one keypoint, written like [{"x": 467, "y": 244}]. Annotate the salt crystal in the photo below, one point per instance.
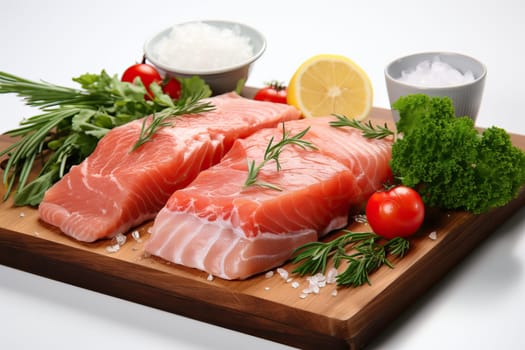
[
  {"x": 433, "y": 235},
  {"x": 303, "y": 296},
  {"x": 120, "y": 239},
  {"x": 360, "y": 218},
  {"x": 199, "y": 46},
  {"x": 266, "y": 288},
  {"x": 289, "y": 280},
  {"x": 283, "y": 273},
  {"x": 136, "y": 235},
  {"x": 334, "y": 293},
  {"x": 22, "y": 215},
  {"x": 268, "y": 274},
  {"x": 435, "y": 73},
  {"x": 210, "y": 277},
  {"x": 295, "y": 285},
  {"x": 312, "y": 288},
  {"x": 331, "y": 276},
  {"x": 113, "y": 248},
  {"x": 317, "y": 278}
]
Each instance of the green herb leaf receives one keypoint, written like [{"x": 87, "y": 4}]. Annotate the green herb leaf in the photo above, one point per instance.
[
  {"x": 73, "y": 120},
  {"x": 451, "y": 164},
  {"x": 368, "y": 130},
  {"x": 366, "y": 255},
  {"x": 272, "y": 152}
]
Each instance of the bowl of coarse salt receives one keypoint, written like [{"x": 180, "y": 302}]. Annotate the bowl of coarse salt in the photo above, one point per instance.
[
  {"x": 457, "y": 76},
  {"x": 220, "y": 52}
]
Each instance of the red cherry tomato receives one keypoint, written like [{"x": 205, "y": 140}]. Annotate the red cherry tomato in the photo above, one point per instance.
[
  {"x": 172, "y": 88},
  {"x": 147, "y": 74},
  {"x": 273, "y": 92},
  {"x": 398, "y": 212}
]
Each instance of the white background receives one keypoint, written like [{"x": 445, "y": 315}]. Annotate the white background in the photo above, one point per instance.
[{"x": 480, "y": 304}]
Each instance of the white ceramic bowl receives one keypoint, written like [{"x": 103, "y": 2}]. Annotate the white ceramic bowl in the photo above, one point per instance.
[
  {"x": 465, "y": 96},
  {"x": 220, "y": 79}
]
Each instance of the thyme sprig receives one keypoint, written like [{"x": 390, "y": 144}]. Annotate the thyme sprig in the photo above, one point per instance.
[
  {"x": 363, "y": 252},
  {"x": 367, "y": 129},
  {"x": 272, "y": 152}
]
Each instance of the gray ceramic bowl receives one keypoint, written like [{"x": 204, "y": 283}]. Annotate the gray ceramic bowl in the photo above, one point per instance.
[
  {"x": 465, "y": 96},
  {"x": 220, "y": 79}
]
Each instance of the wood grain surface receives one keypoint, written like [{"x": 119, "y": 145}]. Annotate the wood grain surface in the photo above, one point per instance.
[{"x": 265, "y": 307}]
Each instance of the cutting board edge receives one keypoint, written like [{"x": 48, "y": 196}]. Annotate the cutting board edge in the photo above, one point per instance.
[
  {"x": 477, "y": 230},
  {"x": 14, "y": 253}
]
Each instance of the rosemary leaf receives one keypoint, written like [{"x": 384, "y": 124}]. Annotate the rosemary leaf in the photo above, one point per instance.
[
  {"x": 73, "y": 120},
  {"x": 272, "y": 152},
  {"x": 162, "y": 119},
  {"x": 45, "y": 95},
  {"x": 366, "y": 255},
  {"x": 368, "y": 130}
]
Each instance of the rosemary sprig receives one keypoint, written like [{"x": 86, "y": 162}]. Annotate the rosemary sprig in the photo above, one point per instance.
[
  {"x": 368, "y": 130},
  {"x": 73, "y": 120},
  {"x": 367, "y": 254},
  {"x": 45, "y": 95},
  {"x": 191, "y": 105},
  {"x": 272, "y": 152}
]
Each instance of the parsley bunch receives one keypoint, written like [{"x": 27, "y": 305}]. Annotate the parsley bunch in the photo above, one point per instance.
[
  {"x": 451, "y": 164},
  {"x": 445, "y": 158},
  {"x": 73, "y": 120}
]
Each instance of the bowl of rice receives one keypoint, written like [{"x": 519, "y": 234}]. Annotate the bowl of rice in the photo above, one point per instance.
[
  {"x": 457, "y": 76},
  {"x": 222, "y": 53}
]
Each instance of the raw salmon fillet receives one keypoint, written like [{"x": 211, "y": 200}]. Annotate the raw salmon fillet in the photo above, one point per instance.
[
  {"x": 216, "y": 225},
  {"x": 114, "y": 189}
]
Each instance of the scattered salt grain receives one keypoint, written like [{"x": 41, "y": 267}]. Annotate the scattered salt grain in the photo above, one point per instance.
[
  {"x": 283, "y": 273},
  {"x": 312, "y": 288},
  {"x": 120, "y": 239},
  {"x": 36, "y": 233},
  {"x": 136, "y": 235},
  {"x": 318, "y": 278},
  {"x": 289, "y": 280},
  {"x": 22, "y": 215},
  {"x": 435, "y": 73},
  {"x": 334, "y": 293},
  {"x": 113, "y": 248},
  {"x": 295, "y": 285},
  {"x": 360, "y": 218},
  {"x": 268, "y": 274},
  {"x": 433, "y": 235},
  {"x": 199, "y": 46},
  {"x": 266, "y": 288},
  {"x": 303, "y": 296},
  {"x": 210, "y": 277},
  {"x": 331, "y": 276}
]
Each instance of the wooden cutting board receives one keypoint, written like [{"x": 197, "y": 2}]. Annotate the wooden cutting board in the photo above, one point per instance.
[{"x": 267, "y": 307}]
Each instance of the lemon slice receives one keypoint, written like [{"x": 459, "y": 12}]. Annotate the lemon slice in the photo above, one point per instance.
[{"x": 326, "y": 84}]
